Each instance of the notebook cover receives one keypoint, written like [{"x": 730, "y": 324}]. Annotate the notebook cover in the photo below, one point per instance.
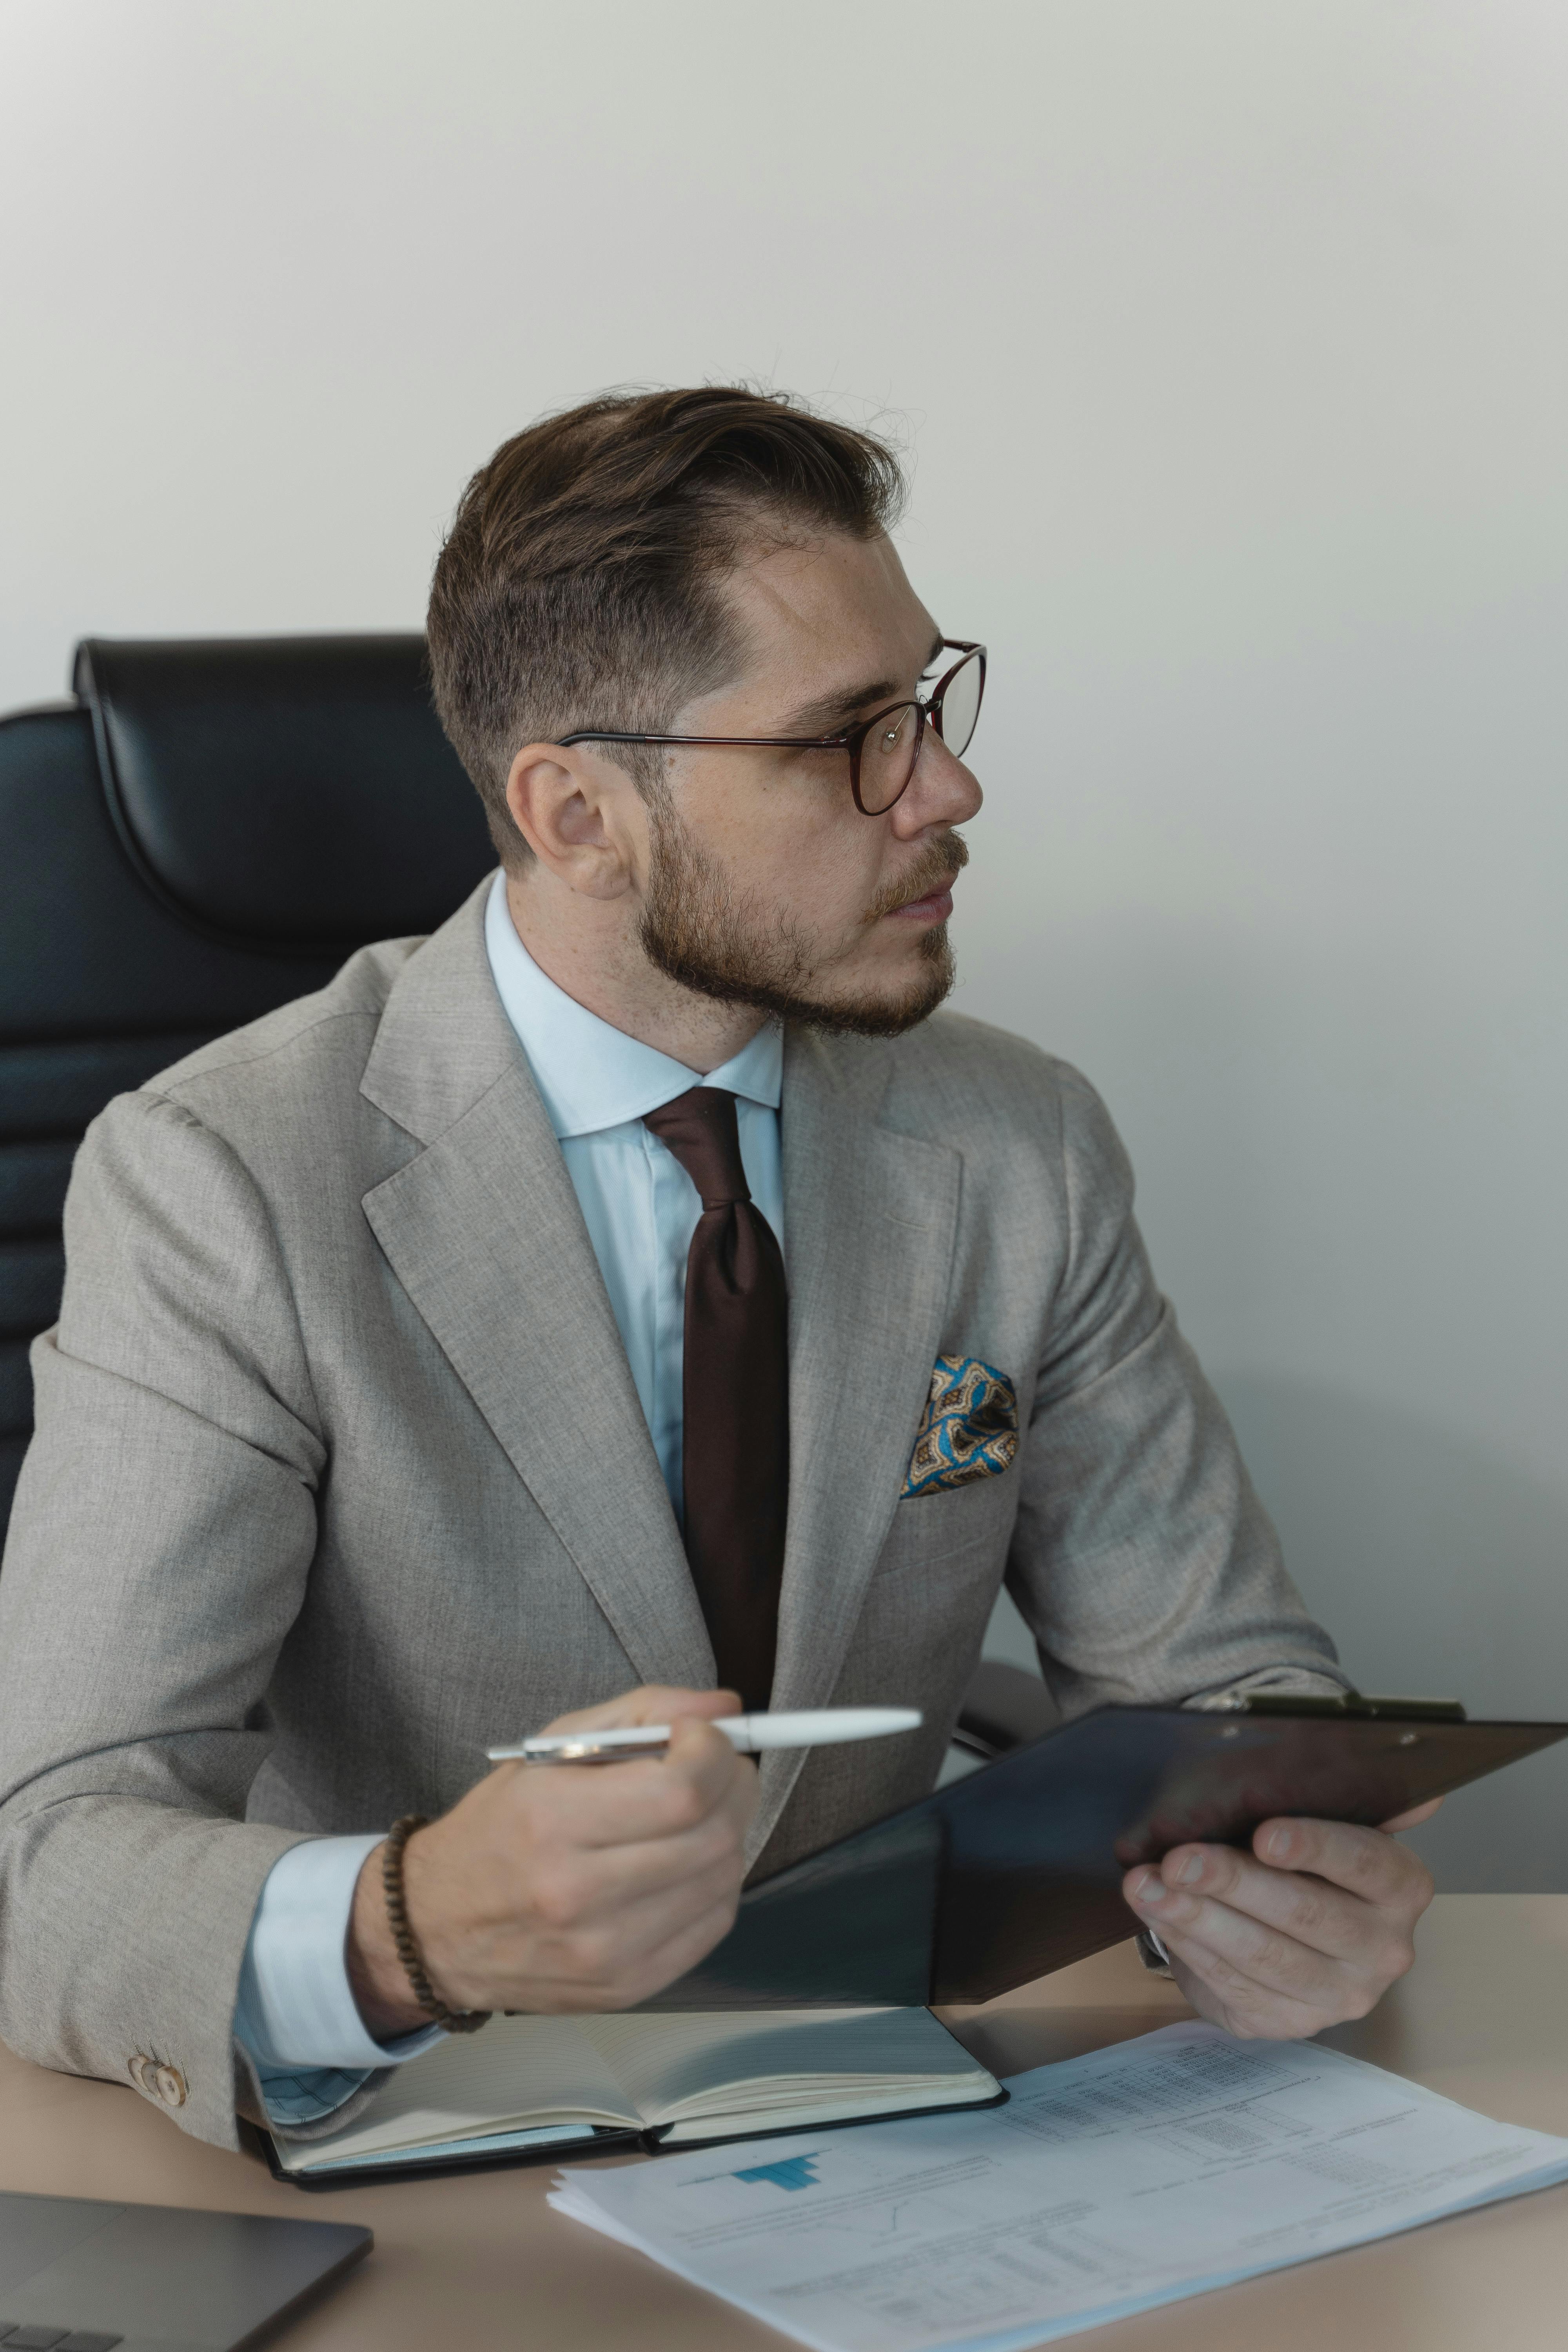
[
  {"x": 373, "y": 2174},
  {"x": 656, "y": 2145}
]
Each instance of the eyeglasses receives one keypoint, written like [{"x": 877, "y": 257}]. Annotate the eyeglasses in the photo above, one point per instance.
[{"x": 883, "y": 749}]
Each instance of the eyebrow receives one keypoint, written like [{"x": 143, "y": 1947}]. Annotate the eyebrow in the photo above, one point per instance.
[{"x": 831, "y": 712}]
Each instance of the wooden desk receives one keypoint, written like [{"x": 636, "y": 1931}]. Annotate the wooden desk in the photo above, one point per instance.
[{"x": 478, "y": 2262}]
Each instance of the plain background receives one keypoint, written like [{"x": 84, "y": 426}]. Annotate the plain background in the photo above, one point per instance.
[{"x": 1228, "y": 344}]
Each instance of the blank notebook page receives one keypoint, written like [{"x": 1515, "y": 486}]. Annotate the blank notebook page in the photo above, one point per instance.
[
  {"x": 671, "y": 2062},
  {"x": 519, "y": 2070}
]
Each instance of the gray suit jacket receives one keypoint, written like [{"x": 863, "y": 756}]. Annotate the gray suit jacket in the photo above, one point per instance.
[{"x": 339, "y": 1473}]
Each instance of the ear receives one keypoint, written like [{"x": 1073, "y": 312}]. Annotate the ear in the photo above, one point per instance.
[{"x": 581, "y": 816}]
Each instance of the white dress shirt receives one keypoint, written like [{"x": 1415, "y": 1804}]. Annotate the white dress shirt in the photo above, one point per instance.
[{"x": 296, "y": 2013}]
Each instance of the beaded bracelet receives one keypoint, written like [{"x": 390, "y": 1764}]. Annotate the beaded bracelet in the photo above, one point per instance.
[{"x": 455, "y": 2021}]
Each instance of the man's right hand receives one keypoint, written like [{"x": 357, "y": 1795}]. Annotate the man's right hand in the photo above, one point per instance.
[{"x": 551, "y": 1887}]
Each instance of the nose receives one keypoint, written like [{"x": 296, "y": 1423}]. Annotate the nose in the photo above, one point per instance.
[{"x": 941, "y": 791}]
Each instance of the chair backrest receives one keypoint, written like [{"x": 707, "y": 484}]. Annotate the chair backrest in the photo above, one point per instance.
[{"x": 209, "y": 830}]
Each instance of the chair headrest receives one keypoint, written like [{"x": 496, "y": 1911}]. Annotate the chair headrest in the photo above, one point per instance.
[{"x": 291, "y": 791}]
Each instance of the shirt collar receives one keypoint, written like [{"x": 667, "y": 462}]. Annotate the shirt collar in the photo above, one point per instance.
[{"x": 592, "y": 1076}]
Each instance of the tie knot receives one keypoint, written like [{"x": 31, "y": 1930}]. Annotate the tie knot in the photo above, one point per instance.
[{"x": 700, "y": 1128}]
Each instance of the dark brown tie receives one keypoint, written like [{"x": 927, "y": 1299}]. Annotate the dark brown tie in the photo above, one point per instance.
[{"x": 734, "y": 1395}]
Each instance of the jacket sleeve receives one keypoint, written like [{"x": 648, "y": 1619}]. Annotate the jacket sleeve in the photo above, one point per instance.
[
  {"x": 1142, "y": 1560},
  {"x": 161, "y": 1535}
]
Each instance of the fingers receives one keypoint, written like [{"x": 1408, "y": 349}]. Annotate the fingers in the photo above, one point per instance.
[
  {"x": 1339, "y": 1889},
  {"x": 566, "y": 1882},
  {"x": 652, "y": 1703},
  {"x": 577, "y": 1840},
  {"x": 624, "y": 1805},
  {"x": 1234, "y": 1947},
  {"x": 601, "y": 1925},
  {"x": 1227, "y": 1996},
  {"x": 1415, "y": 1817},
  {"x": 1315, "y": 1924},
  {"x": 1365, "y": 1862},
  {"x": 1327, "y": 1891},
  {"x": 587, "y": 1887},
  {"x": 565, "y": 1875},
  {"x": 516, "y": 1908}
]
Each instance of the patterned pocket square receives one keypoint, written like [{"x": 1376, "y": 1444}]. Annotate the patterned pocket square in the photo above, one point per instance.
[{"x": 970, "y": 1429}]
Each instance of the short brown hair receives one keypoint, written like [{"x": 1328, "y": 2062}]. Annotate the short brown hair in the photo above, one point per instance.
[{"x": 579, "y": 585}]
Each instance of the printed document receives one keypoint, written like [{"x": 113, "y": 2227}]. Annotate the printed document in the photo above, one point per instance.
[{"x": 1182, "y": 2161}]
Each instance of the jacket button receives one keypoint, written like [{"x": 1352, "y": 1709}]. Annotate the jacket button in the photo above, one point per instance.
[
  {"x": 157, "y": 2080},
  {"x": 170, "y": 2086}
]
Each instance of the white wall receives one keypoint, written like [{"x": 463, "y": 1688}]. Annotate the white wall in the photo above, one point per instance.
[{"x": 1230, "y": 340}]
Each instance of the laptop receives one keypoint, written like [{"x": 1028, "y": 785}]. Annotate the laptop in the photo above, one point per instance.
[{"x": 79, "y": 2276}]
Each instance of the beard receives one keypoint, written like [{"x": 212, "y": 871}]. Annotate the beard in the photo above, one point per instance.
[{"x": 728, "y": 945}]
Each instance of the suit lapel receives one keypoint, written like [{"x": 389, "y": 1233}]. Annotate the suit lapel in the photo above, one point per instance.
[
  {"x": 871, "y": 1219},
  {"x": 483, "y": 1230}
]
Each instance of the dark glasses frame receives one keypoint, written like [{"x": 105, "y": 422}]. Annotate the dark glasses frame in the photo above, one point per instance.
[{"x": 849, "y": 738}]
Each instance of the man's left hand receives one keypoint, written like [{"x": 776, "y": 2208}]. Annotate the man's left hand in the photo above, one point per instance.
[{"x": 1309, "y": 1928}]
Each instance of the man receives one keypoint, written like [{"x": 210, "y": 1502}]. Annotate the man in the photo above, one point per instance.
[{"x": 636, "y": 1283}]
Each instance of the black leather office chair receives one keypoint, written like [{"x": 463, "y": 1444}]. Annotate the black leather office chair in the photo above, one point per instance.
[
  {"x": 205, "y": 831},
  {"x": 1003, "y": 1706}
]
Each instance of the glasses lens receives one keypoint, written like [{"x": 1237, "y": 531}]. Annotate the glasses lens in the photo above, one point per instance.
[
  {"x": 888, "y": 758},
  {"x": 961, "y": 706}
]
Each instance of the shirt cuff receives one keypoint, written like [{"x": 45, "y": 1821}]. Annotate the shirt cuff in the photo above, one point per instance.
[
  {"x": 296, "y": 2009},
  {"x": 298, "y": 2096}
]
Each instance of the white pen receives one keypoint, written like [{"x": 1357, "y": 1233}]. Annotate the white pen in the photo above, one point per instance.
[{"x": 749, "y": 1734}]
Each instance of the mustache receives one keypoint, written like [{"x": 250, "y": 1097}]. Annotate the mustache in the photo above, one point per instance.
[{"x": 939, "y": 864}]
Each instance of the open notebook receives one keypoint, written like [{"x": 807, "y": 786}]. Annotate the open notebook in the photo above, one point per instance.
[{"x": 529, "y": 2084}]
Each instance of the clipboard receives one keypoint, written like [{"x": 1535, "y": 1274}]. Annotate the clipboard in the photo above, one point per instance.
[{"x": 1016, "y": 1869}]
